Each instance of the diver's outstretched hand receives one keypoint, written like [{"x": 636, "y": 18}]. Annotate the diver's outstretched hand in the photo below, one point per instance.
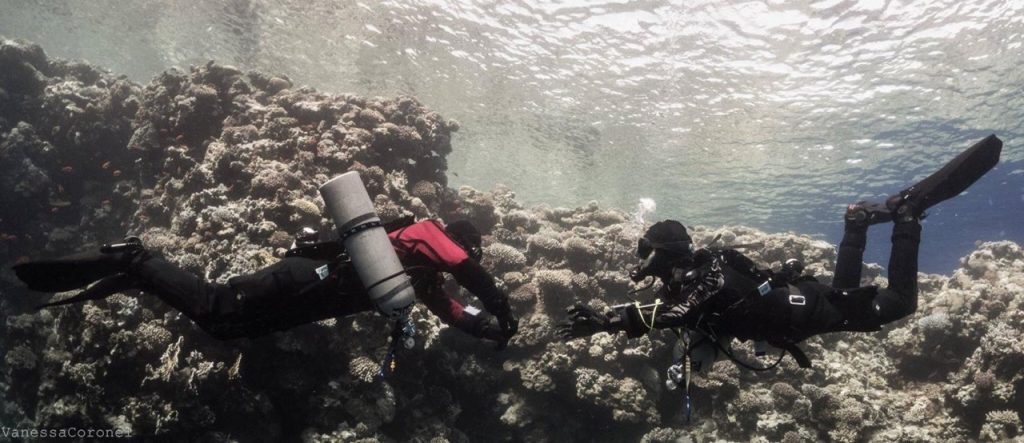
[
  {"x": 500, "y": 329},
  {"x": 583, "y": 321},
  {"x": 509, "y": 325}
]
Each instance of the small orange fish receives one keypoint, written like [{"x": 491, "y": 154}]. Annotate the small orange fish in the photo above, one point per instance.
[
  {"x": 117, "y": 173},
  {"x": 179, "y": 138},
  {"x": 106, "y": 165},
  {"x": 67, "y": 169}
]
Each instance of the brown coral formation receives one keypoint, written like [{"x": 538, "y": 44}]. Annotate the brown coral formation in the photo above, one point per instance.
[{"x": 217, "y": 167}]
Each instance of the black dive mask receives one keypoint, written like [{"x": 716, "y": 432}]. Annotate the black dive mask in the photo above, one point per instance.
[
  {"x": 644, "y": 248},
  {"x": 644, "y": 269},
  {"x": 475, "y": 252},
  {"x": 472, "y": 245},
  {"x": 658, "y": 258},
  {"x": 659, "y": 263}
]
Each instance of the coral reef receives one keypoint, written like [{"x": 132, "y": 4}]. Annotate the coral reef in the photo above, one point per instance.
[{"x": 216, "y": 168}]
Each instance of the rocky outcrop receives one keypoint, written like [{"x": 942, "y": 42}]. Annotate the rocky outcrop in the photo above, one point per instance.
[{"x": 216, "y": 168}]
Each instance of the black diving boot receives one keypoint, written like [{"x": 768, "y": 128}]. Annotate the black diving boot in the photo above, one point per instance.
[
  {"x": 79, "y": 270},
  {"x": 906, "y": 207},
  {"x": 949, "y": 181},
  {"x": 864, "y": 213}
]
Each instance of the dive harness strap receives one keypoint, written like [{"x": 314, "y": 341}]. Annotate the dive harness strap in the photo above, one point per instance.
[
  {"x": 325, "y": 250},
  {"x": 713, "y": 337},
  {"x": 786, "y": 344},
  {"x": 795, "y": 351}
]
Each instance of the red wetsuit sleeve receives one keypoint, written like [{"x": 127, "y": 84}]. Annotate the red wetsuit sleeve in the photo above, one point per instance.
[
  {"x": 477, "y": 280},
  {"x": 426, "y": 241}
]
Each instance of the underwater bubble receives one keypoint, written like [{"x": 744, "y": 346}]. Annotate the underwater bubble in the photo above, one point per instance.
[{"x": 645, "y": 207}]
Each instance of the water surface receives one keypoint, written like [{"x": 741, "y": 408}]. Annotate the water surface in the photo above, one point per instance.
[{"x": 769, "y": 114}]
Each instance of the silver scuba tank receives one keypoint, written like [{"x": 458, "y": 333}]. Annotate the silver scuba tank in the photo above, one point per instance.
[{"x": 367, "y": 244}]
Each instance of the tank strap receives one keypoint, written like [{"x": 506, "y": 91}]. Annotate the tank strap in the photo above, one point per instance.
[
  {"x": 394, "y": 291},
  {"x": 360, "y": 223}
]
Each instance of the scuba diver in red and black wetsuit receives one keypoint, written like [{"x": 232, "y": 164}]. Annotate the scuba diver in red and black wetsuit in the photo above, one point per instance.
[
  {"x": 716, "y": 295},
  {"x": 313, "y": 282}
]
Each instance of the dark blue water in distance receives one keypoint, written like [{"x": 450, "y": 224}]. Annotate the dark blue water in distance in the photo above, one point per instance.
[
  {"x": 990, "y": 210},
  {"x": 766, "y": 114}
]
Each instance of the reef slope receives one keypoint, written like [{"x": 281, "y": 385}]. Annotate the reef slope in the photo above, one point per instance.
[{"x": 216, "y": 167}]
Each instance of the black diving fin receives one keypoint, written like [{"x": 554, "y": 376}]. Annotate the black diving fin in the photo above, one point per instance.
[
  {"x": 67, "y": 273},
  {"x": 100, "y": 290},
  {"x": 955, "y": 177},
  {"x": 78, "y": 270}
]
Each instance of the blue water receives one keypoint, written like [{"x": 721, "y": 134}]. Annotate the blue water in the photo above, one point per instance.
[
  {"x": 990, "y": 210},
  {"x": 768, "y": 114}
]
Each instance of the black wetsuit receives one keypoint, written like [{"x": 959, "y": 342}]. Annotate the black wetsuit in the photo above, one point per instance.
[
  {"x": 284, "y": 295},
  {"x": 793, "y": 311},
  {"x": 300, "y": 290}
]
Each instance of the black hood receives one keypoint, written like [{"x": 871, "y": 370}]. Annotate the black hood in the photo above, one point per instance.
[
  {"x": 667, "y": 235},
  {"x": 665, "y": 245},
  {"x": 468, "y": 236}
]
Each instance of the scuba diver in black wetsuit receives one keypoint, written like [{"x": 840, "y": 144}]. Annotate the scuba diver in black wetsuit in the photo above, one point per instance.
[
  {"x": 369, "y": 266},
  {"x": 313, "y": 282},
  {"x": 716, "y": 295}
]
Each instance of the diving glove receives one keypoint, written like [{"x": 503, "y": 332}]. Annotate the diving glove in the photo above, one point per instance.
[
  {"x": 499, "y": 329},
  {"x": 509, "y": 325},
  {"x": 583, "y": 321}
]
